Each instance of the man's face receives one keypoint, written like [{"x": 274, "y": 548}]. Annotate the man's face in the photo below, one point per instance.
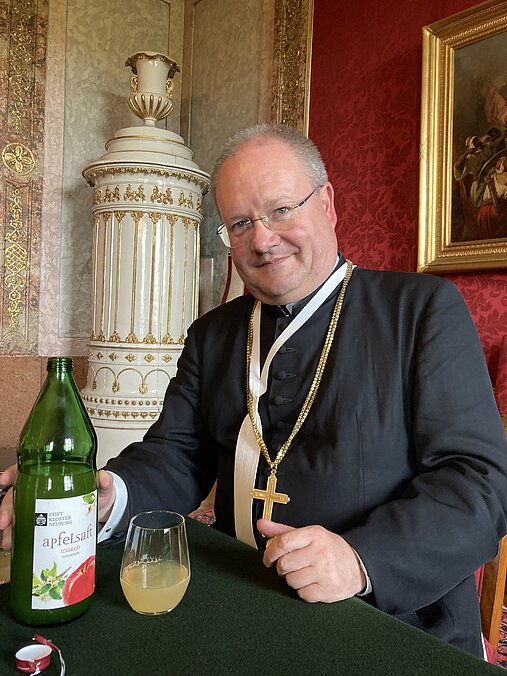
[{"x": 277, "y": 268}]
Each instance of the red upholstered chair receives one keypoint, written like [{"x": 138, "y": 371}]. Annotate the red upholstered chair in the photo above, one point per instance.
[
  {"x": 205, "y": 511},
  {"x": 491, "y": 577},
  {"x": 491, "y": 588}
]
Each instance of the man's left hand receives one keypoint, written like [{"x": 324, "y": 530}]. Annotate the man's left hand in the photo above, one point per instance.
[{"x": 318, "y": 564}]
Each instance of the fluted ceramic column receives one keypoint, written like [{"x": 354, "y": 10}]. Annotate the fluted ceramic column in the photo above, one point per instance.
[{"x": 147, "y": 209}]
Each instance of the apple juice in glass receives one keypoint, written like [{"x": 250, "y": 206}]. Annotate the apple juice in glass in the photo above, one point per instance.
[
  {"x": 55, "y": 505},
  {"x": 155, "y": 569}
]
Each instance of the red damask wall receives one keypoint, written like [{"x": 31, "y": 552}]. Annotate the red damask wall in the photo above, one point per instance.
[{"x": 365, "y": 116}]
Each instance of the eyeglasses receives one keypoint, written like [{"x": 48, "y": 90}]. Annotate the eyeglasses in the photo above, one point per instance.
[{"x": 282, "y": 218}]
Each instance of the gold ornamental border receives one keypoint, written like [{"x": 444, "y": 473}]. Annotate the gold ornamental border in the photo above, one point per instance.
[
  {"x": 23, "y": 31},
  {"x": 18, "y": 159},
  {"x": 24, "y": 34},
  {"x": 91, "y": 174},
  {"x": 292, "y": 63},
  {"x": 111, "y": 195}
]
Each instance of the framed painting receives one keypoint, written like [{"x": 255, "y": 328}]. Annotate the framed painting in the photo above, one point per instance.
[{"x": 463, "y": 177}]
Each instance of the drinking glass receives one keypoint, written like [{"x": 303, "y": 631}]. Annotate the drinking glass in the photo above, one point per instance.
[
  {"x": 5, "y": 557},
  {"x": 155, "y": 569}
]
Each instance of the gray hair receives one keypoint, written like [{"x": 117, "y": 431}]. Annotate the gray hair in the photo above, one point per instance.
[{"x": 304, "y": 150}]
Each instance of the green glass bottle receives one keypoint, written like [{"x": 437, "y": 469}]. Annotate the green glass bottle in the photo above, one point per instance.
[{"x": 55, "y": 505}]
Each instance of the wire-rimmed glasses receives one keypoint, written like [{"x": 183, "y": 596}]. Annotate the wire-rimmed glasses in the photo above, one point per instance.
[{"x": 238, "y": 233}]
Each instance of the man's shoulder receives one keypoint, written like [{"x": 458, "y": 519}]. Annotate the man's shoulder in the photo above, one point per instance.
[
  {"x": 232, "y": 312},
  {"x": 401, "y": 282},
  {"x": 392, "y": 291}
]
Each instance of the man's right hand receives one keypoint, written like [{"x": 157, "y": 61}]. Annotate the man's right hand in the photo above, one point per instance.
[{"x": 107, "y": 496}]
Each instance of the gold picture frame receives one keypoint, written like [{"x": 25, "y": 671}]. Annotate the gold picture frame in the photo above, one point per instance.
[{"x": 461, "y": 225}]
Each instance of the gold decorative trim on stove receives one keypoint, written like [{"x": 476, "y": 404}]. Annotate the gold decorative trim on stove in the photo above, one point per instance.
[
  {"x": 134, "y": 195},
  {"x": 180, "y": 175},
  {"x": 161, "y": 198}
]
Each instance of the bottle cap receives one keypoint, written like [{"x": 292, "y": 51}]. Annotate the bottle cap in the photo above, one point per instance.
[{"x": 33, "y": 658}]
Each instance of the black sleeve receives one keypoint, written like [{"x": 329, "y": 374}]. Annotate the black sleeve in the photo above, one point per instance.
[
  {"x": 450, "y": 517},
  {"x": 175, "y": 465}
]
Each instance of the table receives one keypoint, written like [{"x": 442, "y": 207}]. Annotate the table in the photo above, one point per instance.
[{"x": 239, "y": 618}]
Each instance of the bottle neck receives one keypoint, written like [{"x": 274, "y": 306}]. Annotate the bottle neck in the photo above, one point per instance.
[{"x": 60, "y": 365}]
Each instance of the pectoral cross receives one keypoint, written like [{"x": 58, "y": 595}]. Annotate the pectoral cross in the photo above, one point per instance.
[{"x": 270, "y": 496}]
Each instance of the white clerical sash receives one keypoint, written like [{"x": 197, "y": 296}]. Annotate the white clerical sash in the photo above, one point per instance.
[{"x": 247, "y": 449}]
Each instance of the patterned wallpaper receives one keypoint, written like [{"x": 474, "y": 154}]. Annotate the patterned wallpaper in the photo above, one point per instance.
[{"x": 365, "y": 116}]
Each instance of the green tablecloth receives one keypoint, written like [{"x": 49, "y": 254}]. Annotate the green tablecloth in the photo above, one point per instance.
[{"x": 236, "y": 618}]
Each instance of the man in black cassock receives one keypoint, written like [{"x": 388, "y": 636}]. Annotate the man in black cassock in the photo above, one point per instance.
[{"x": 370, "y": 440}]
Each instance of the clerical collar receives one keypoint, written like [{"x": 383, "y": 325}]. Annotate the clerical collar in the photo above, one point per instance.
[
  {"x": 292, "y": 309},
  {"x": 286, "y": 310}
]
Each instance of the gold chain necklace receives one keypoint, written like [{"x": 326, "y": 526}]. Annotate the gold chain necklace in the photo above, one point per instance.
[{"x": 270, "y": 496}]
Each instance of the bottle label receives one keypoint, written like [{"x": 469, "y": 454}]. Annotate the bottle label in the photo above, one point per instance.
[{"x": 65, "y": 537}]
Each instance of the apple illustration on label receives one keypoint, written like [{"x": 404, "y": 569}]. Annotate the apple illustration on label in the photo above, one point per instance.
[{"x": 80, "y": 583}]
